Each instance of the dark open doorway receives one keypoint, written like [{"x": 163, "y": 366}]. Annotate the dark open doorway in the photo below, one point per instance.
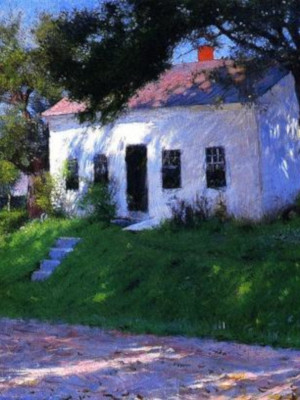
[{"x": 137, "y": 191}]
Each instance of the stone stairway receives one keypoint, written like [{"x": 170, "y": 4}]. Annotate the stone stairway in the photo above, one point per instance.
[{"x": 63, "y": 247}]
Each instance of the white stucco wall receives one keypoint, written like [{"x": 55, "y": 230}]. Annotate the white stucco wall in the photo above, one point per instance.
[
  {"x": 277, "y": 116},
  {"x": 190, "y": 129}
]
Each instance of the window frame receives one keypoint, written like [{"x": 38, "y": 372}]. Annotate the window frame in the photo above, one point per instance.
[
  {"x": 215, "y": 160},
  {"x": 103, "y": 163},
  {"x": 169, "y": 168},
  {"x": 72, "y": 177}
]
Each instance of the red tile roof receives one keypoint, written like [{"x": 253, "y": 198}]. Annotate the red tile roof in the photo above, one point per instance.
[
  {"x": 176, "y": 81},
  {"x": 64, "y": 106},
  {"x": 188, "y": 84}
]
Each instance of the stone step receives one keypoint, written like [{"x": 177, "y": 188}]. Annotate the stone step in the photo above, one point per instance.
[
  {"x": 40, "y": 275},
  {"x": 58, "y": 253},
  {"x": 64, "y": 246},
  {"x": 124, "y": 222},
  {"x": 150, "y": 223},
  {"x": 49, "y": 265},
  {"x": 67, "y": 242}
]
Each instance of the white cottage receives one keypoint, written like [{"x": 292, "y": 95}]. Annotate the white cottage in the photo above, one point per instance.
[{"x": 186, "y": 136}]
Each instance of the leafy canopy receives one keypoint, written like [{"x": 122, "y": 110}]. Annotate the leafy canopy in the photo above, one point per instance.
[
  {"x": 102, "y": 57},
  {"x": 23, "y": 140},
  {"x": 8, "y": 175}
]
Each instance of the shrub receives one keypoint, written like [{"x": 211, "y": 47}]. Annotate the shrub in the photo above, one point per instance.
[
  {"x": 8, "y": 177},
  {"x": 50, "y": 195},
  {"x": 98, "y": 202},
  {"x": 43, "y": 187},
  {"x": 190, "y": 214},
  {"x": 12, "y": 220}
]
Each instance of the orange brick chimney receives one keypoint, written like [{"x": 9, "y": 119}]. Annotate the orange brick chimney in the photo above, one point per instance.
[{"x": 205, "y": 53}]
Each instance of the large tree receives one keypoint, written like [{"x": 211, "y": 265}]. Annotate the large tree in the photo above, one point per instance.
[
  {"x": 23, "y": 137},
  {"x": 102, "y": 57}
]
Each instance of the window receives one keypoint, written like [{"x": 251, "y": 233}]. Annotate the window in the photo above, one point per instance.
[
  {"x": 100, "y": 168},
  {"x": 72, "y": 178},
  {"x": 171, "y": 169},
  {"x": 215, "y": 167}
]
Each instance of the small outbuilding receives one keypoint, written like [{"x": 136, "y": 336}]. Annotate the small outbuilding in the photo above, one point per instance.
[{"x": 188, "y": 137}]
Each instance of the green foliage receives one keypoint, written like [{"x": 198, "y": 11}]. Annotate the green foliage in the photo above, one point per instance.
[
  {"x": 15, "y": 60},
  {"x": 50, "y": 195},
  {"x": 99, "y": 202},
  {"x": 11, "y": 221},
  {"x": 20, "y": 73},
  {"x": 43, "y": 186},
  {"x": 8, "y": 175},
  {"x": 65, "y": 171},
  {"x": 23, "y": 138},
  {"x": 102, "y": 57}
]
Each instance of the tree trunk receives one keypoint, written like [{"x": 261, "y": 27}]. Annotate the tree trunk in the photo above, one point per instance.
[
  {"x": 36, "y": 165},
  {"x": 33, "y": 210},
  {"x": 8, "y": 202}
]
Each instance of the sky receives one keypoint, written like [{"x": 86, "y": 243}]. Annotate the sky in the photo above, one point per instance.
[{"x": 31, "y": 9}]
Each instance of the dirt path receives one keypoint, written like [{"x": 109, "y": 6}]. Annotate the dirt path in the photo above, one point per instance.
[{"x": 42, "y": 361}]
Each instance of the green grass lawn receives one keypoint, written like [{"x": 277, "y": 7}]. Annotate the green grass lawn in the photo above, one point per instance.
[{"x": 228, "y": 281}]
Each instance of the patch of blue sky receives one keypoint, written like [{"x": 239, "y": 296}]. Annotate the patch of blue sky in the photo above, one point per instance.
[{"x": 31, "y": 9}]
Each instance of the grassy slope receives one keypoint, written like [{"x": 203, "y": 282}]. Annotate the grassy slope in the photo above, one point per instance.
[{"x": 188, "y": 281}]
